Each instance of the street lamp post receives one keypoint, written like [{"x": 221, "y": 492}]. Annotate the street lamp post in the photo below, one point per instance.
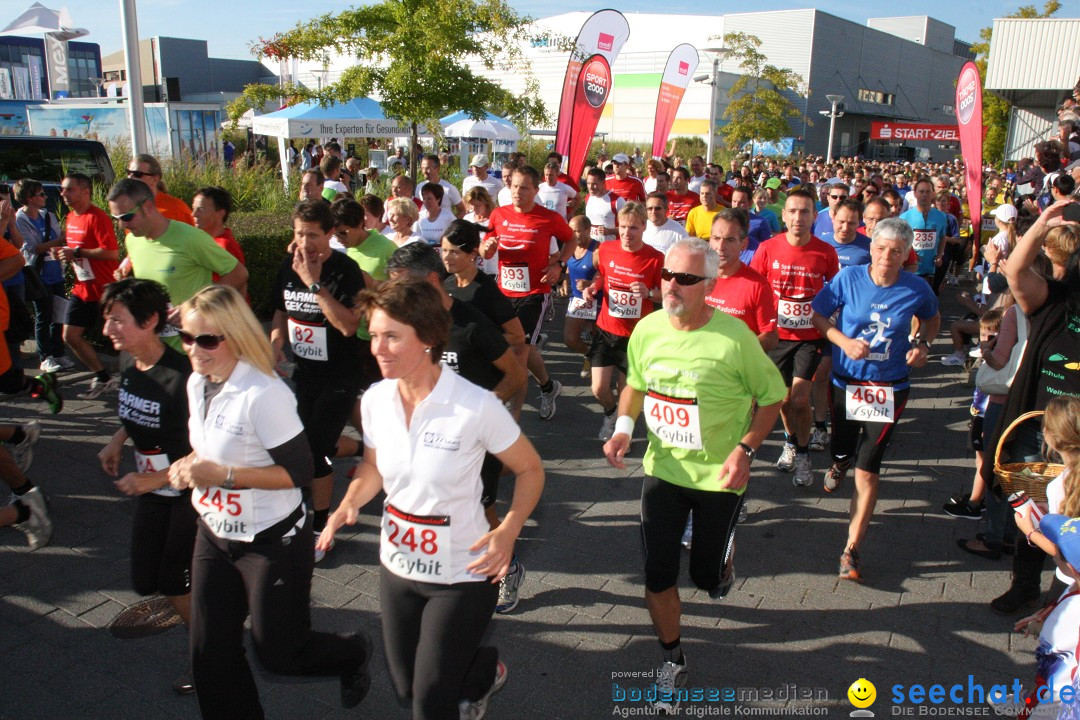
[
  {"x": 719, "y": 55},
  {"x": 136, "y": 117},
  {"x": 832, "y": 115}
]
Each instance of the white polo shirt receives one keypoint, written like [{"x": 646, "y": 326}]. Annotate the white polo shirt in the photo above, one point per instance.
[
  {"x": 555, "y": 197},
  {"x": 602, "y": 213},
  {"x": 431, "y": 474},
  {"x": 251, "y": 413},
  {"x": 491, "y": 183}
]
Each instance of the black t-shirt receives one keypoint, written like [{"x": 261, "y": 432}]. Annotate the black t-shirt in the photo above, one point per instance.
[
  {"x": 483, "y": 294},
  {"x": 319, "y": 347},
  {"x": 1059, "y": 363},
  {"x": 475, "y": 344},
  {"x": 153, "y": 405}
]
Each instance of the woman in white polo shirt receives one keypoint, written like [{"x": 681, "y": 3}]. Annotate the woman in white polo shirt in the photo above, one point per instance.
[
  {"x": 425, "y": 434},
  {"x": 254, "y": 549}
]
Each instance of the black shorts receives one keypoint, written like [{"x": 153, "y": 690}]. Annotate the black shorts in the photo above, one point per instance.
[
  {"x": 664, "y": 509},
  {"x": 324, "y": 407},
  {"x": 865, "y": 441},
  {"x": 81, "y": 313},
  {"x": 489, "y": 480},
  {"x": 975, "y": 433},
  {"x": 162, "y": 541},
  {"x": 608, "y": 350},
  {"x": 530, "y": 310},
  {"x": 798, "y": 358}
]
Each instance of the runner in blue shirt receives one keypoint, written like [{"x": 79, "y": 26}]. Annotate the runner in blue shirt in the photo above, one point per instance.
[
  {"x": 852, "y": 247},
  {"x": 874, "y": 306},
  {"x": 931, "y": 227}
]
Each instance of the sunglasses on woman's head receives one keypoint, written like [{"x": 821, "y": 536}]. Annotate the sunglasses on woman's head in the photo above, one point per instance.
[
  {"x": 680, "y": 277},
  {"x": 206, "y": 342}
]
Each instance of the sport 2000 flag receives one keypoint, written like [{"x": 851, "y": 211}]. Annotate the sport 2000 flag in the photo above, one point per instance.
[
  {"x": 590, "y": 96},
  {"x": 681, "y": 64},
  {"x": 970, "y": 119},
  {"x": 603, "y": 33}
]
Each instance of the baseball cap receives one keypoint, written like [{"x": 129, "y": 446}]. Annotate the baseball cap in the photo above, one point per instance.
[
  {"x": 773, "y": 183},
  {"x": 479, "y": 160},
  {"x": 1065, "y": 533},
  {"x": 1005, "y": 213},
  {"x": 622, "y": 158}
]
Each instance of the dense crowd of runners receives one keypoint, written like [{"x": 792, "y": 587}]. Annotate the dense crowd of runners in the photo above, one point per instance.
[{"x": 710, "y": 302}]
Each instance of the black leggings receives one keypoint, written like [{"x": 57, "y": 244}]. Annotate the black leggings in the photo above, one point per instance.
[
  {"x": 162, "y": 540},
  {"x": 272, "y": 580},
  {"x": 432, "y": 636},
  {"x": 865, "y": 441}
]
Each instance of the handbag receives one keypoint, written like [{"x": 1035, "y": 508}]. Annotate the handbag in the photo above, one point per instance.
[{"x": 997, "y": 382}]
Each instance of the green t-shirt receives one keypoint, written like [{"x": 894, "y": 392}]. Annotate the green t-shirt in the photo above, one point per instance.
[
  {"x": 700, "y": 386},
  {"x": 184, "y": 260},
  {"x": 372, "y": 256}
]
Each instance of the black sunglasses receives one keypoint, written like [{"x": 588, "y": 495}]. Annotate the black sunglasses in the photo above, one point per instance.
[
  {"x": 206, "y": 342},
  {"x": 139, "y": 174},
  {"x": 680, "y": 278},
  {"x": 128, "y": 216}
]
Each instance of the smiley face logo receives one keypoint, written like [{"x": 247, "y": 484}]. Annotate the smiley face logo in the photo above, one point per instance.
[{"x": 862, "y": 693}]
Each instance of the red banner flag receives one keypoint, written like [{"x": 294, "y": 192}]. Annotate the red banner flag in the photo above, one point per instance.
[
  {"x": 590, "y": 96},
  {"x": 970, "y": 119},
  {"x": 603, "y": 33},
  {"x": 681, "y": 64}
]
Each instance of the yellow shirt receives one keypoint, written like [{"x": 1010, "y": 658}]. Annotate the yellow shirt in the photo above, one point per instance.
[{"x": 699, "y": 221}]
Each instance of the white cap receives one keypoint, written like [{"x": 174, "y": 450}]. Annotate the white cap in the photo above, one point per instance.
[
  {"x": 479, "y": 161},
  {"x": 1005, "y": 213},
  {"x": 621, "y": 158}
]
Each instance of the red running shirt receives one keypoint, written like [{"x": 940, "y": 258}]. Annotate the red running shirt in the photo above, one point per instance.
[
  {"x": 796, "y": 275},
  {"x": 679, "y": 206},
  {"x": 93, "y": 229},
  {"x": 747, "y": 296},
  {"x": 629, "y": 189},
  {"x": 616, "y": 269},
  {"x": 525, "y": 247}
]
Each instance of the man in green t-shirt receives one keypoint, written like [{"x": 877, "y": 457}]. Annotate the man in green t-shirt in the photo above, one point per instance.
[
  {"x": 179, "y": 256},
  {"x": 696, "y": 373}
]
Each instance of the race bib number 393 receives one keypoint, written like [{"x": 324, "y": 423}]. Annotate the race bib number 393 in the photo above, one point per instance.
[
  {"x": 676, "y": 421},
  {"x": 515, "y": 278},
  {"x": 794, "y": 314},
  {"x": 416, "y": 547},
  {"x": 870, "y": 403}
]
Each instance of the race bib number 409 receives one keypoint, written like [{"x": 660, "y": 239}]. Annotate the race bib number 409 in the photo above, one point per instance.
[
  {"x": 416, "y": 547},
  {"x": 676, "y": 421},
  {"x": 870, "y": 403}
]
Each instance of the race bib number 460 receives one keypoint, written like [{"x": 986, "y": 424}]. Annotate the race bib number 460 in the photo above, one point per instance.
[
  {"x": 870, "y": 403},
  {"x": 676, "y": 421},
  {"x": 308, "y": 341},
  {"x": 515, "y": 278},
  {"x": 794, "y": 314},
  {"x": 230, "y": 514},
  {"x": 416, "y": 547},
  {"x": 623, "y": 304}
]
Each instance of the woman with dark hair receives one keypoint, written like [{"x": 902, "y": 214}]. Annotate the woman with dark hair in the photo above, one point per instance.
[
  {"x": 1052, "y": 307},
  {"x": 426, "y": 430},
  {"x": 41, "y": 233},
  {"x": 153, "y": 408}
]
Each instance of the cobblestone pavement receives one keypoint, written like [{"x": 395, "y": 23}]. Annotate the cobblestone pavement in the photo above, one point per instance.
[{"x": 921, "y": 616}]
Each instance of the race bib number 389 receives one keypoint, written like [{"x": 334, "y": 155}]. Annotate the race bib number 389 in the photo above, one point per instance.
[
  {"x": 676, "y": 421},
  {"x": 870, "y": 403},
  {"x": 416, "y": 547},
  {"x": 794, "y": 314}
]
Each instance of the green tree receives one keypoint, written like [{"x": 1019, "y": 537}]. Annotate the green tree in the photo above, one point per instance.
[
  {"x": 996, "y": 109},
  {"x": 412, "y": 55},
  {"x": 758, "y": 109}
]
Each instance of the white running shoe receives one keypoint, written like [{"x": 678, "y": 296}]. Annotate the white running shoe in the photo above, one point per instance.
[
  {"x": 804, "y": 474},
  {"x": 786, "y": 463},
  {"x": 50, "y": 365},
  {"x": 24, "y": 451},
  {"x": 476, "y": 710},
  {"x": 547, "y": 401},
  {"x": 819, "y": 439},
  {"x": 38, "y": 527},
  {"x": 953, "y": 360},
  {"x": 508, "y": 589},
  {"x": 669, "y": 677}
]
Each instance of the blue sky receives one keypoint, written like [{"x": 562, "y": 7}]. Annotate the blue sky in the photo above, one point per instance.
[{"x": 231, "y": 26}]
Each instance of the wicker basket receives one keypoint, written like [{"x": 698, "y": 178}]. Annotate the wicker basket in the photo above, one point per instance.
[{"x": 1031, "y": 477}]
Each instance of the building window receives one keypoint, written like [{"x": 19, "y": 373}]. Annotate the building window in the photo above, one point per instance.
[
  {"x": 948, "y": 109},
  {"x": 22, "y": 65},
  {"x": 875, "y": 97}
]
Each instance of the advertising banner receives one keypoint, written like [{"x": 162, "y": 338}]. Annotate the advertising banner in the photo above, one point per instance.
[
  {"x": 56, "y": 62},
  {"x": 109, "y": 124},
  {"x": 590, "y": 96},
  {"x": 681, "y": 64},
  {"x": 970, "y": 119},
  {"x": 913, "y": 131},
  {"x": 604, "y": 34}
]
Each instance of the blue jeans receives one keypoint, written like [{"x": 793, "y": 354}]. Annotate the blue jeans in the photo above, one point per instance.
[{"x": 48, "y": 334}]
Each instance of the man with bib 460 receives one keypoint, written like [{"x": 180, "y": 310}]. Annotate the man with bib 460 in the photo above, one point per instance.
[{"x": 696, "y": 373}]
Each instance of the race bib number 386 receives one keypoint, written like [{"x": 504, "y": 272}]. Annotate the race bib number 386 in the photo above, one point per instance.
[
  {"x": 623, "y": 304},
  {"x": 870, "y": 403},
  {"x": 676, "y": 421},
  {"x": 416, "y": 547}
]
